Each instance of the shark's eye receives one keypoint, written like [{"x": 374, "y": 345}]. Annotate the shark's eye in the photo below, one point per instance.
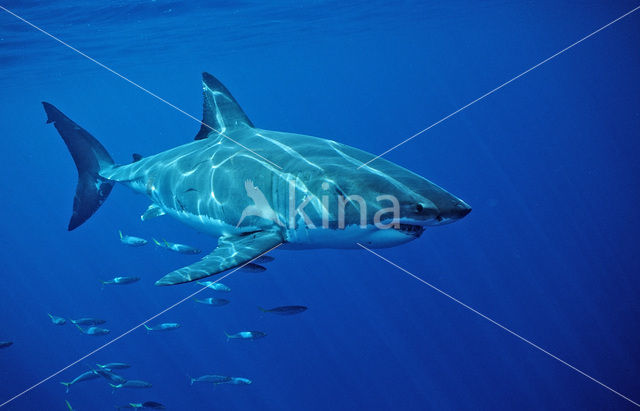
[
  {"x": 439, "y": 218},
  {"x": 419, "y": 208}
]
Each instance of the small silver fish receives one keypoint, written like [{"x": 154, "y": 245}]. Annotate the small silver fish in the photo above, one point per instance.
[
  {"x": 114, "y": 366},
  {"x": 238, "y": 381},
  {"x": 162, "y": 327},
  {"x": 57, "y": 320},
  {"x": 110, "y": 376},
  {"x": 121, "y": 280},
  {"x": 152, "y": 212},
  {"x": 214, "y": 379},
  {"x": 85, "y": 376},
  {"x": 92, "y": 330},
  {"x": 88, "y": 321},
  {"x": 153, "y": 405},
  {"x": 132, "y": 384},
  {"x": 285, "y": 309},
  {"x": 215, "y": 302},
  {"x": 215, "y": 286},
  {"x": 149, "y": 405},
  {"x": 131, "y": 240},
  {"x": 246, "y": 335},
  {"x": 178, "y": 248}
]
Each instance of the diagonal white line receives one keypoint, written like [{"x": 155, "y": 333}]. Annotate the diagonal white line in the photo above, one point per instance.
[
  {"x": 137, "y": 85},
  {"x": 132, "y": 329},
  {"x": 501, "y": 326},
  {"x": 498, "y": 88}
]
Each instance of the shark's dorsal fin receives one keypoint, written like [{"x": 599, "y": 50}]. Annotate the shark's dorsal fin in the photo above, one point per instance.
[{"x": 221, "y": 112}]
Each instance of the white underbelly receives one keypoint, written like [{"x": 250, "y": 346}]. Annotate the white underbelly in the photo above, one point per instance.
[
  {"x": 348, "y": 237},
  {"x": 205, "y": 224}
]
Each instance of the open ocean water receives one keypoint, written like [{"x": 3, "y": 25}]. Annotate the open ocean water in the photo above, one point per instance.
[{"x": 549, "y": 164}]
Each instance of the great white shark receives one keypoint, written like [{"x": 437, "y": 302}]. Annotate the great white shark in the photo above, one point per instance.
[{"x": 256, "y": 189}]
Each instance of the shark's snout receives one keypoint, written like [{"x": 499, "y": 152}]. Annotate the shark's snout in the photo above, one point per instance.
[
  {"x": 452, "y": 212},
  {"x": 462, "y": 209},
  {"x": 443, "y": 210}
]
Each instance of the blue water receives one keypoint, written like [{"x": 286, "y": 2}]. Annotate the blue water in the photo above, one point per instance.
[{"x": 549, "y": 164}]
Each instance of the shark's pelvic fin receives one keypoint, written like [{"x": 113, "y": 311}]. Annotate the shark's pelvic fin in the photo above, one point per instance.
[
  {"x": 231, "y": 252},
  {"x": 221, "y": 112},
  {"x": 90, "y": 158}
]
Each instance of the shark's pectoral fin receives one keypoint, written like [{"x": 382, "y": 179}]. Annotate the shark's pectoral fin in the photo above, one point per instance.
[
  {"x": 221, "y": 112},
  {"x": 231, "y": 252}
]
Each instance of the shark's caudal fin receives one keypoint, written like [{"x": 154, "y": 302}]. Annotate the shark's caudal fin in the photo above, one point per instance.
[
  {"x": 90, "y": 157},
  {"x": 221, "y": 112}
]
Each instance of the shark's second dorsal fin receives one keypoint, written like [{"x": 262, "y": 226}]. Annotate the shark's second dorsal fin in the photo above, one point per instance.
[{"x": 221, "y": 112}]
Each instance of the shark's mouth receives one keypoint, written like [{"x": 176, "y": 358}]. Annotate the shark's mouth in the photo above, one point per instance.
[{"x": 410, "y": 229}]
